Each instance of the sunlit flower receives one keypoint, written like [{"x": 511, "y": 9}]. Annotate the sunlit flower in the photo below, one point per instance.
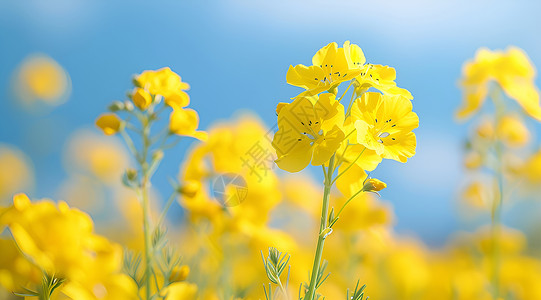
[
  {"x": 512, "y": 70},
  {"x": 166, "y": 83},
  {"x": 59, "y": 239},
  {"x": 184, "y": 121},
  {"x": 308, "y": 132},
  {"x": 374, "y": 185},
  {"x": 109, "y": 123},
  {"x": 141, "y": 98},
  {"x": 329, "y": 68},
  {"x": 384, "y": 124},
  {"x": 16, "y": 172},
  {"x": 41, "y": 78},
  {"x": 180, "y": 290}
]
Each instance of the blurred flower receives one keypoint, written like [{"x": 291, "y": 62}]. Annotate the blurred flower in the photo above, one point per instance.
[
  {"x": 109, "y": 123},
  {"x": 166, "y": 83},
  {"x": 16, "y": 172},
  {"x": 184, "y": 121},
  {"x": 329, "y": 68},
  {"x": 41, "y": 78},
  {"x": 104, "y": 158},
  {"x": 473, "y": 160},
  {"x": 179, "y": 273},
  {"x": 15, "y": 270},
  {"x": 512, "y": 131},
  {"x": 384, "y": 124},
  {"x": 477, "y": 194},
  {"x": 141, "y": 98},
  {"x": 180, "y": 290},
  {"x": 511, "y": 69},
  {"x": 308, "y": 132}
]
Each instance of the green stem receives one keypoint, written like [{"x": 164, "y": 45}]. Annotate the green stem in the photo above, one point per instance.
[
  {"x": 166, "y": 208},
  {"x": 321, "y": 236},
  {"x": 346, "y": 203},
  {"x": 146, "y": 208}
]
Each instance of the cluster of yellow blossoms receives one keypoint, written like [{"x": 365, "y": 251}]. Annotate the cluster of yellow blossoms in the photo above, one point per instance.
[{"x": 236, "y": 204}]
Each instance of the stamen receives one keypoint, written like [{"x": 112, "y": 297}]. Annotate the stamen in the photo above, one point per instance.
[{"x": 384, "y": 135}]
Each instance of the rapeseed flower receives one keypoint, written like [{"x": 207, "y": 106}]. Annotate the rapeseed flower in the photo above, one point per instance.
[
  {"x": 329, "y": 68},
  {"x": 184, "y": 121},
  {"x": 384, "y": 124},
  {"x": 308, "y": 132},
  {"x": 109, "y": 123},
  {"x": 512, "y": 70},
  {"x": 166, "y": 83},
  {"x": 141, "y": 98}
]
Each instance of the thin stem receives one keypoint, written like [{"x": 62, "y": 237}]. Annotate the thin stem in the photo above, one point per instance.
[
  {"x": 350, "y": 83},
  {"x": 349, "y": 166},
  {"x": 321, "y": 236},
  {"x": 346, "y": 203}
]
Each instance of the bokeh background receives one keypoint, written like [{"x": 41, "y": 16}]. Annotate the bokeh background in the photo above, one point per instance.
[{"x": 235, "y": 55}]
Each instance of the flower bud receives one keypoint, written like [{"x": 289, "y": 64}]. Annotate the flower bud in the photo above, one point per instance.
[
  {"x": 374, "y": 185},
  {"x": 179, "y": 273},
  {"x": 190, "y": 188},
  {"x": 128, "y": 105},
  {"x": 116, "y": 106}
]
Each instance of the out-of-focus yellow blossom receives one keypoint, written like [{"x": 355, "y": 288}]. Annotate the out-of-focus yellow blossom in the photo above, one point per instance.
[
  {"x": 108, "y": 287},
  {"x": 41, "y": 78},
  {"x": 184, "y": 121},
  {"x": 486, "y": 129},
  {"x": 180, "y": 290},
  {"x": 102, "y": 157},
  {"x": 407, "y": 270},
  {"x": 511, "y": 69},
  {"x": 330, "y": 67},
  {"x": 141, "y": 98},
  {"x": 166, "y": 83},
  {"x": 15, "y": 270},
  {"x": 478, "y": 194},
  {"x": 384, "y": 124},
  {"x": 512, "y": 131},
  {"x": 308, "y": 132},
  {"x": 16, "y": 172},
  {"x": 109, "y": 123},
  {"x": 58, "y": 239},
  {"x": 473, "y": 160},
  {"x": 179, "y": 273}
]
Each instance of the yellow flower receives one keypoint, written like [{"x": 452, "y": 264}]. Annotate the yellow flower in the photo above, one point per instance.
[
  {"x": 512, "y": 131},
  {"x": 384, "y": 124},
  {"x": 180, "y": 290},
  {"x": 105, "y": 158},
  {"x": 184, "y": 121},
  {"x": 59, "y": 239},
  {"x": 166, "y": 83},
  {"x": 330, "y": 67},
  {"x": 109, "y": 123},
  {"x": 382, "y": 78},
  {"x": 16, "y": 172},
  {"x": 141, "y": 98},
  {"x": 308, "y": 132},
  {"x": 512, "y": 70},
  {"x": 179, "y": 273},
  {"x": 41, "y": 78},
  {"x": 374, "y": 185}
]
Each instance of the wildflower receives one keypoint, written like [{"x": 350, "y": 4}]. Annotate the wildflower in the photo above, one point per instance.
[
  {"x": 184, "y": 121},
  {"x": 166, "y": 83},
  {"x": 180, "y": 290},
  {"x": 109, "y": 123},
  {"x": 141, "y": 98},
  {"x": 513, "y": 72},
  {"x": 308, "y": 132},
  {"x": 329, "y": 68},
  {"x": 384, "y": 124}
]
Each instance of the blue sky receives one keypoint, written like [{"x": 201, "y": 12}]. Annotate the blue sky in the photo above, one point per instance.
[{"x": 235, "y": 55}]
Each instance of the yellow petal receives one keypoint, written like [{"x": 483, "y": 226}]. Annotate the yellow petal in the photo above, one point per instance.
[{"x": 109, "y": 123}]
